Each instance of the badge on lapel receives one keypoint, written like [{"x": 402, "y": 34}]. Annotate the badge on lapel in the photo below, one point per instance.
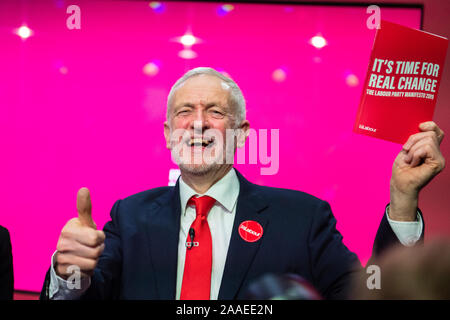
[{"x": 250, "y": 231}]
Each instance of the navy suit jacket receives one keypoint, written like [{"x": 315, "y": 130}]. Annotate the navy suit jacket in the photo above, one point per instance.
[{"x": 140, "y": 256}]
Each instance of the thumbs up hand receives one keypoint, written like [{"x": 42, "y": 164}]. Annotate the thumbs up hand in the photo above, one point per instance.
[
  {"x": 80, "y": 243},
  {"x": 84, "y": 208}
]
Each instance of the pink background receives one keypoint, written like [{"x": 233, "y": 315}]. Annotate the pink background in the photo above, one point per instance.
[{"x": 77, "y": 110}]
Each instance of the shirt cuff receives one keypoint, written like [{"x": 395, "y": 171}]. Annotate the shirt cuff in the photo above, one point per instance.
[
  {"x": 60, "y": 289},
  {"x": 407, "y": 232}
]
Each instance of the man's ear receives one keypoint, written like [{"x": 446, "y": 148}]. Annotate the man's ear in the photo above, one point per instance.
[
  {"x": 167, "y": 134},
  {"x": 244, "y": 131}
]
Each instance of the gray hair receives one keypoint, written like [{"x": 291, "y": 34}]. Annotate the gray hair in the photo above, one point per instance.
[{"x": 236, "y": 98}]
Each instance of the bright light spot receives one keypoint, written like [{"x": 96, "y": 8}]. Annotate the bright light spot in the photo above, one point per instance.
[
  {"x": 351, "y": 80},
  {"x": 227, "y": 7},
  {"x": 24, "y": 32},
  {"x": 151, "y": 69},
  {"x": 63, "y": 70},
  {"x": 224, "y": 9},
  {"x": 155, "y": 5},
  {"x": 188, "y": 40},
  {"x": 317, "y": 59},
  {"x": 187, "y": 54},
  {"x": 279, "y": 75},
  {"x": 318, "y": 41}
]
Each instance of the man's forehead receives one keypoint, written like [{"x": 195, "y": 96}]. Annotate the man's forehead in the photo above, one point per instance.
[{"x": 202, "y": 87}]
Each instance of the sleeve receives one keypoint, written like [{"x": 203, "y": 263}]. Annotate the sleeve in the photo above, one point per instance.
[
  {"x": 333, "y": 265},
  {"x": 407, "y": 232},
  {"x": 60, "y": 289},
  {"x": 386, "y": 237}
]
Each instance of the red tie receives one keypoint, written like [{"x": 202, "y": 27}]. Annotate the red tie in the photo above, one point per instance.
[{"x": 198, "y": 264}]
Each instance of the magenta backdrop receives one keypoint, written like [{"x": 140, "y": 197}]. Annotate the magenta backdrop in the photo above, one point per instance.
[{"x": 76, "y": 108}]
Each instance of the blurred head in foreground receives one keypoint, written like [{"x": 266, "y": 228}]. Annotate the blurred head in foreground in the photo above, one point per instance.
[
  {"x": 281, "y": 287},
  {"x": 410, "y": 273}
]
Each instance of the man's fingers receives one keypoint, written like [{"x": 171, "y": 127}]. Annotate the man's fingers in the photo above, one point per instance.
[
  {"x": 79, "y": 249},
  {"x": 432, "y": 126},
  {"x": 414, "y": 138},
  {"x": 91, "y": 239},
  {"x": 65, "y": 260},
  {"x": 84, "y": 208},
  {"x": 426, "y": 151},
  {"x": 419, "y": 144},
  {"x": 423, "y": 145},
  {"x": 80, "y": 244},
  {"x": 419, "y": 155},
  {"x": 89, "y": 252},
  {"x": 84, "y": 235}
]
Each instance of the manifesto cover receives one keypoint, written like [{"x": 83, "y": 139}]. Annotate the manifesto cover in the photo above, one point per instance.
[{"x": 402, "y": 82}]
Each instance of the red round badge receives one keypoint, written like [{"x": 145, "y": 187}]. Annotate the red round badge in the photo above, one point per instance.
[{"x": 250, "y": 231}]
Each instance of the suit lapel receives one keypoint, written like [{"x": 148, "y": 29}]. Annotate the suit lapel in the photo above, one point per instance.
[
  {"x": 250, "y": 206},
  {"x": 163, "y": 233}
]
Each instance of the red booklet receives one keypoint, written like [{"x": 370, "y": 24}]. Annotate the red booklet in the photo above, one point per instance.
[{"x": 402, "y": 82}]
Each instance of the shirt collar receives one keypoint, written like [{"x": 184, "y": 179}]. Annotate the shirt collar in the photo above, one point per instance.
[{"x": 225, "y": 191}]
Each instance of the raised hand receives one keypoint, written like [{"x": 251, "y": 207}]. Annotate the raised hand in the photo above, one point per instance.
[
  {"x": 418, "y": 162},
  {"x": 80, "y": 243}
]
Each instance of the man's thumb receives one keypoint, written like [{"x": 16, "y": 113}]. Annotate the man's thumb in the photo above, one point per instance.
[{"x": 84, "y": 208}]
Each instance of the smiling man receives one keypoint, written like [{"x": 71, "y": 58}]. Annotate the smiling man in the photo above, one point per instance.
[
  {"x": 214, "y": 232},
  {"x": 197, "y": 125}
]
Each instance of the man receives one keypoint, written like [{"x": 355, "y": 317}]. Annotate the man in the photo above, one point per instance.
[{"x": 214, "y": 233}]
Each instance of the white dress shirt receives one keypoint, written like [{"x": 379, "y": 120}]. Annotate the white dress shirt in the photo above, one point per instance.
[{"x": 220, "y": 220}]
